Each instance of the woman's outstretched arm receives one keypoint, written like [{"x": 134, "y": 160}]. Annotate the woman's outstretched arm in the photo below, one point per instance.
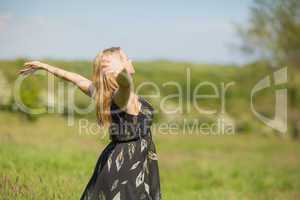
[{"x": 81, "y": 82}]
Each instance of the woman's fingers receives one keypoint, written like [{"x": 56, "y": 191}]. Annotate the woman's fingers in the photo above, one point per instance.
[
  {"x": 30, "y": 67},
  {"x": 35, "y": 64},
  {"x": 28, "y": 70},
  {"x": 24, "y": 70},
  {"x": 32, "y": 63}
]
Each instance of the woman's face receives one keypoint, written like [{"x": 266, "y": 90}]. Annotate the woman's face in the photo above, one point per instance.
[{"x": 118, "y": 61}]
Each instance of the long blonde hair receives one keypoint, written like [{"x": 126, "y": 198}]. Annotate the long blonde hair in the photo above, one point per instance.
[{"x": 105, "y": 85}]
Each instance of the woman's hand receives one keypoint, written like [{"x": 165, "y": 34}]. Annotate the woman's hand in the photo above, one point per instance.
[
  {"x": 31, "y": 67},
  {"x": 112, "y": 67}
]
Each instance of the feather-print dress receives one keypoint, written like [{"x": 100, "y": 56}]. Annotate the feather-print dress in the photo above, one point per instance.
[{"x": 127, "y": 169}]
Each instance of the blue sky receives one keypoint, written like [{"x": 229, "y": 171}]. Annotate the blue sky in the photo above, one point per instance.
[{"x": 196, "y": 31}]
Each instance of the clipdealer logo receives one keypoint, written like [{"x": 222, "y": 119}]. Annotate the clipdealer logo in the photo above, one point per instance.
[{"x": 279, "y": 122}]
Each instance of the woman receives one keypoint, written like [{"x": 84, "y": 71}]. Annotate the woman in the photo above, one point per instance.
[{"x": 127, "y": 169}]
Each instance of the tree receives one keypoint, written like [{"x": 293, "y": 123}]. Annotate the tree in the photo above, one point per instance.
[{"x": 273, "y": 33}]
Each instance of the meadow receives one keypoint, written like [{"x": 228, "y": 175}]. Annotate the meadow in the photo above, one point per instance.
[
  {"x": 47, "y": 159},
  {"x": 41, "y": 157}
]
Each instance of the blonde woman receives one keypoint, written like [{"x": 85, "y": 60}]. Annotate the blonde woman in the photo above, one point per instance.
[{"x": 127, "y": 169}]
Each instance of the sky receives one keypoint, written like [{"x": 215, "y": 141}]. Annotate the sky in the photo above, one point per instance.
[{"x": 191, "y": 30}]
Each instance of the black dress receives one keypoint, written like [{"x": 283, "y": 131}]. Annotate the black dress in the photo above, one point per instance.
[{"x": 127, "y": 169}]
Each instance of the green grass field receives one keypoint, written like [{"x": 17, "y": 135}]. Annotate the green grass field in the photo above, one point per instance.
[{"x": 46, "y": 159}]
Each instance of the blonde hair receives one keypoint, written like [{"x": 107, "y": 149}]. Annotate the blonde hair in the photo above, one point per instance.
[{"x": 105, "y": 85}]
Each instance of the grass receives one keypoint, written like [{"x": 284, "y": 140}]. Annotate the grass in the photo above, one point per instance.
[{"x": 46, "y": 159}]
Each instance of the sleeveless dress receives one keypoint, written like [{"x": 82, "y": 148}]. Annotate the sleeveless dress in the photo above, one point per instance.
[{"x": 127, "y": 169}]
